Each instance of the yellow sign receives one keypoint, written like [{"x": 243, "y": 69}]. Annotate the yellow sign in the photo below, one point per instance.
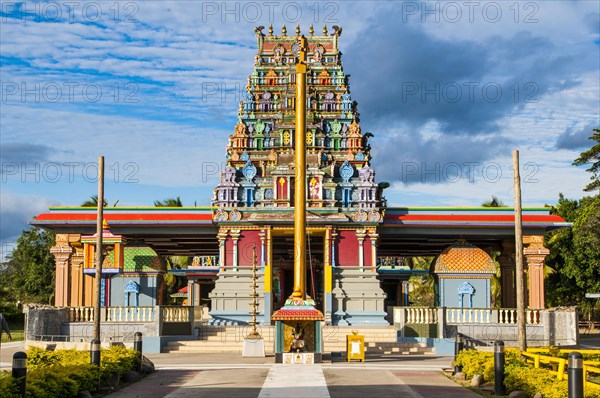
[{"x": 355, "y": 347}]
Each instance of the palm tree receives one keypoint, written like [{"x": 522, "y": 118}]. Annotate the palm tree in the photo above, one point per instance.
[
  {"x": 422, "y": 292},
  {"x": 93, "y": 202},
  {"x": 174, "y": 283},
  {"x": 496, "y": 283},
  {"x": 495, "y": 202},
  {"x": 170, "y": 202}
]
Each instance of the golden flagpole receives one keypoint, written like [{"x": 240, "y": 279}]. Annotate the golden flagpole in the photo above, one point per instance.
[{"x": 300, "y": 176}]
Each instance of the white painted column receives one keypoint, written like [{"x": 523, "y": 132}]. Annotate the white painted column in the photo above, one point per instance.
[
  {"x": 333, "y": 242},
  {"x": 360, "y": 234},
  {"x": 373, "y": 237},
  {"x": 235, "y": 235},
  {"x": 222, "y": 236}
]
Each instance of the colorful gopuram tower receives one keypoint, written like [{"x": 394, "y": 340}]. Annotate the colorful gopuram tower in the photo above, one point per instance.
[{"x": 255, "y": 196}]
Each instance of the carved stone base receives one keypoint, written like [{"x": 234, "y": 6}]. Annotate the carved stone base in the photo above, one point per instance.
[
  {"x": 358, "y": 298},
  {"x": 231, "y": 298},
  {"x": 253, "y": 348}
]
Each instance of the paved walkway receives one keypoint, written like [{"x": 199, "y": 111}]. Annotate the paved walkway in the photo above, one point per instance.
[{"x": 229, "y": 375}]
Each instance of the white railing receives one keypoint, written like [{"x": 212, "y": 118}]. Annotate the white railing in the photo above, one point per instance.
[
  {"x": 509, "y": 316},
  {"x": 176, "y": 314},
  {"x": 129, "y": 314},
  {"x": 469, "y": 315},
  {"x": 133, "y": 314},
  {"x": 421, "y": 315},
  {"x": 81, "y": 314},
  {"x": 431, "y": 315},
  {"x": 113, "y": 314}
]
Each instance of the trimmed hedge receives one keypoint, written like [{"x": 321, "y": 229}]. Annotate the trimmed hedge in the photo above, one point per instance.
[
  {"x": 63, "y": 373},
  {"x": 517, "y": 374}
]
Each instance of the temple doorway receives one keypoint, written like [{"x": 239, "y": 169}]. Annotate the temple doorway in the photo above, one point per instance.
[{"x": 283, "y": 269}]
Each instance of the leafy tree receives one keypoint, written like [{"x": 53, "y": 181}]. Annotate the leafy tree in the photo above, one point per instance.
[
  {"x": 170, "y": 202},
  {"x": 575, "y": 254},
  {"x": 172, "y": 282},
  {"x": 422, "y": 292},
  {"x": 28, "y": 275},
  {"x": 592, "y": 156}
]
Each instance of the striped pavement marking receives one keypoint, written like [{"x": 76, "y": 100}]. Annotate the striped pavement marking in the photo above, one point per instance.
[{"x": 308, "y": 381}]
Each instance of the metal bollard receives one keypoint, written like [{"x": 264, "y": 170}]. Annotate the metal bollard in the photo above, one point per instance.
[
  {"x": 575, "y": 373},
  {"x": 499, "y": 368},
  {"x": 137, "y": 345},
  {"x": 19, "y": 370},
  {"x": 459, "y": 345},
  {"x": 95, "y": 352}
]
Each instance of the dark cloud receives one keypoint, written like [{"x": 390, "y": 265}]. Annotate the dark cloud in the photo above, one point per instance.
[
  {"x": 24, "y": 153},
  {"x": 15, "y": 213},
  {"x": 577, "y": 138},
  {"x": 406, "y": 81},
  {"x": 592, "y": 21},
  {"x": 409, "y": 78},
  {"x": 408, "y": 158}
]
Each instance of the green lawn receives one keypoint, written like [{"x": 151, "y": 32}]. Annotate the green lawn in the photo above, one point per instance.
[{"x": 16, "y": 330}]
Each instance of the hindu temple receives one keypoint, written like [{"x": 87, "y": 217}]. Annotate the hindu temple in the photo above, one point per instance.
[{"x": 356, "y": 243}]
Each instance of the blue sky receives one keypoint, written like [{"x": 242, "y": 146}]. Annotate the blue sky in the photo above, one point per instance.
[{"x": 449, "y": 89}]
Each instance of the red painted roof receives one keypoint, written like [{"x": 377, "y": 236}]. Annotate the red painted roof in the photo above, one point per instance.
[
  {"x": 309, "y": 314},
  {"x": 120, "y": 217},
  {"x": 471, "y": 217},
  {"x": 394, "y": 217}
]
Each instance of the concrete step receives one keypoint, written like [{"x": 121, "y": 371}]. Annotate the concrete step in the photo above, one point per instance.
[
  {"x": 224, "y": 338},
  {"x": 191, "y": 346},
  {"x": 378, "y": 339}
]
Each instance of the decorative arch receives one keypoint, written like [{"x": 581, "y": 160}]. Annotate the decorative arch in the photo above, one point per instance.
[
  {"x": 132, "y": 288},
  {"x": 465, "y": 289}
]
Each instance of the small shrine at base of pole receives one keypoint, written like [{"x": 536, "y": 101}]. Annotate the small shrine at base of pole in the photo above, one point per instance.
[{"x": 298, "y": 332}]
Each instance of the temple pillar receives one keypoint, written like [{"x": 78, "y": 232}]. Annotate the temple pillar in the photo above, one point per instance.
[
  {"x": 77, "y": 290},
  {"x": 190, "y": 292},
  {"x": 535, "y": 253},
  {"x": 373, "y": 236},
  {"x": 360, "y": 235},
  {"x": 405, "y": 290},
  {"x": 62, "y": 253},
  {"x": 507, "y": 274},
  {"x": 222, "y": 237},
  {"x": 235, "y": 236},
  {"x": 333, "y": 240}
]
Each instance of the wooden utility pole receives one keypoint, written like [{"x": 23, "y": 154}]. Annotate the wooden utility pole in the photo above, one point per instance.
[
  {"x": 99, "y": 258},
  {"x": 521, "y": 324}
]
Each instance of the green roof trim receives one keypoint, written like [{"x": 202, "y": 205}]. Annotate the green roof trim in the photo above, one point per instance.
[
  {"x": 129, "y": 208},
  {"x": 289, "y": 209}
]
